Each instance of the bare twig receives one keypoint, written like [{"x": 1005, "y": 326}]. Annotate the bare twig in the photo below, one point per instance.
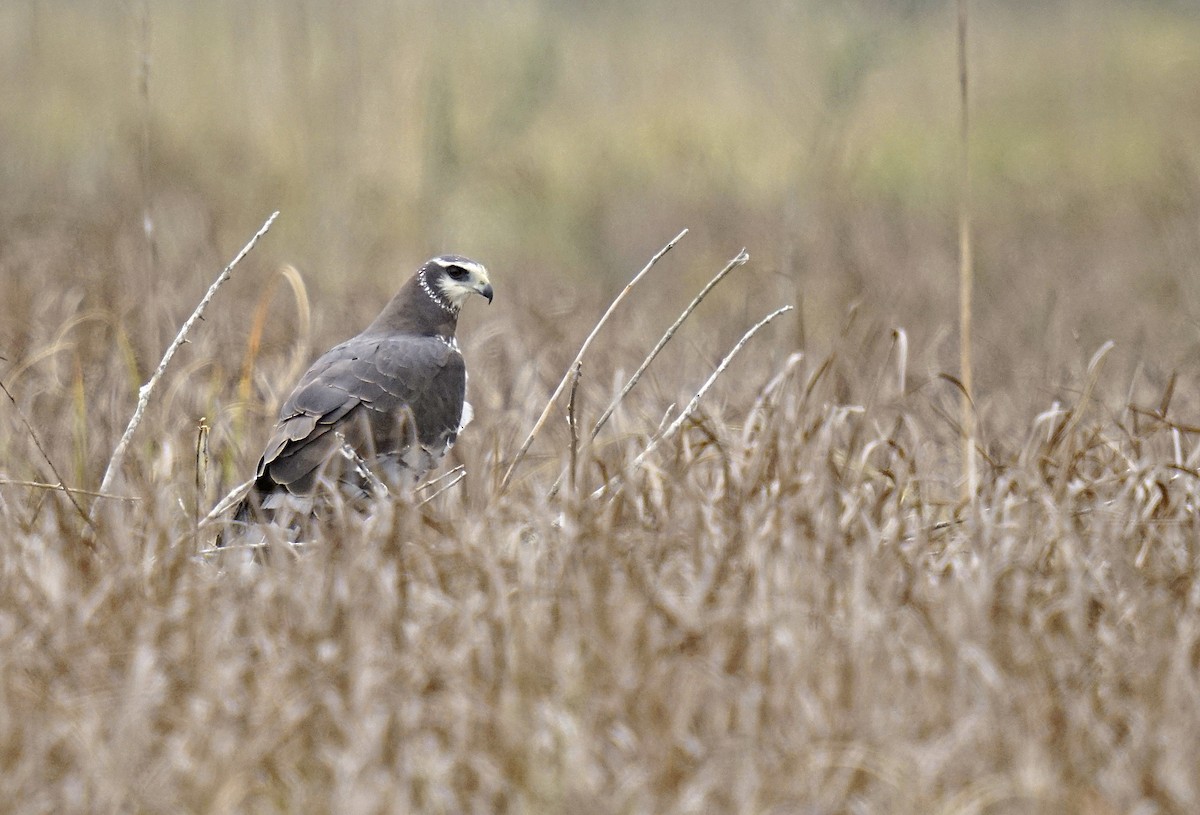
[
  {"x": 537, "y": 426},
  {"x": 461, "y": 476},
  {"x": 38, "y": 443},
  {"x": 362, "y": 468},
  {"x": 740, "y": 260},
  {"x": 455, "y": 471},
  {"x": 146, "y": 390},
  {"x": 231, "y": 499},
  {"x": 695, "y": 402}
]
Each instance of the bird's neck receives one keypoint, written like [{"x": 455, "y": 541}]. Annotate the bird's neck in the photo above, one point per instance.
[{"x": 415, "y": 311}]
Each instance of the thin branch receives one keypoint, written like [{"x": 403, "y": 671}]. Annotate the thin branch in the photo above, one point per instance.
[
  {"x": 362, "y": 468},
  {"x": 695, "y": 403},
  {"x": 455, "y": 471},
  {"x": 231, "y": 499},
  {"x": 537, "y": 426},
  {"x": 461, "y": 476},
  {"x": 741, "y": 259},
  {"x": 38, "y": 443},
  {"x": 146, "y": 390}
]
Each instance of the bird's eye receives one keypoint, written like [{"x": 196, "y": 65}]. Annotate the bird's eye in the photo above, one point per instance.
[{"x": 457, "y": 272}]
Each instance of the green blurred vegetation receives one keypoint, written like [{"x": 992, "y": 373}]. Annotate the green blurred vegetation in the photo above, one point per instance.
[{"x": 563, "y": 143}]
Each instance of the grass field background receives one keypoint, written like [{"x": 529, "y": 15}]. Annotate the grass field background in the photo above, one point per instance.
[{"x": 789, "y": 608}]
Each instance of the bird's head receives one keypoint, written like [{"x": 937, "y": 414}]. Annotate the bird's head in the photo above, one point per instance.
[{"x": 450, "y": 279}]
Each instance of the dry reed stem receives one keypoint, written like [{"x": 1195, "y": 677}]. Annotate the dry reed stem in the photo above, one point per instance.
[
  {"x": 758, "y": 412},
  {"x": 296, "y": 365},
  {"x": 42, "y": 485},
  {"x": 695, "y": 401},
  {"x": 900, "y": 337},
  {"x": 965, "y": 267},
  {"x": 201, "y": 468},
  {"x": 573, "y": 424},
  {"x": 146, "y": 390},
  {"x": 378, "y": 488},
  {"x": 740, "y": 259},
  {"x": 227, "y": 503},
  {"x": 1089, "y": 384},
  {"x": 144, "y": 158},
  {"x": 453, "y": 471},
  {"x": 462, "y": 474},
  {"x": 38, "y": 443},
  {"x": 537, "y": 426}
]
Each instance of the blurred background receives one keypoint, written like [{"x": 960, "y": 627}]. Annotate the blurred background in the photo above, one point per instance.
[
  {"x": 798, "y": 615},
  {"x": 563, "y": 143}
]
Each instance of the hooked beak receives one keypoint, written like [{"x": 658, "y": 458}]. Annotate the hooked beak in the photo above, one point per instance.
[{"x": 486, "y": 291}]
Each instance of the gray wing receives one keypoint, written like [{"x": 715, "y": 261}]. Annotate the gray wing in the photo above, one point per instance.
[{"x": 376, "y": 392}]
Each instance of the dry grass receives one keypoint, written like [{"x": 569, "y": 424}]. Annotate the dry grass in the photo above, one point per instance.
[{"x": 786, "y": 608}]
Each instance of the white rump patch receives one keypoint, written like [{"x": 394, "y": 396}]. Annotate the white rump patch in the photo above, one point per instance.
[
  {"x": 283, "y": 501},
  {"x": 467, "y": 415}
]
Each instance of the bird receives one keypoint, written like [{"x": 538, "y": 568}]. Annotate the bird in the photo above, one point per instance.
[{"x": 389, "y": 401}]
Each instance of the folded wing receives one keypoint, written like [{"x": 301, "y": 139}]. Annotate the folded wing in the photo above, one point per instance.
[{"x": 379, "y": 394}]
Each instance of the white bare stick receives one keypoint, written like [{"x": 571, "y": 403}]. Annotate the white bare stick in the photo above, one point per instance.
[
  {"x": 740, "y": 260},
  {"x": 695, "y": 403},
  {"x": 461, "y": 476},
  {"x": 227, "y": 503},
  {"x": 455, "y": 471},
  {"x": 537, "y": 426},
  {"x": 118, "y": 456},
  {"x": 362, "y": 469}
]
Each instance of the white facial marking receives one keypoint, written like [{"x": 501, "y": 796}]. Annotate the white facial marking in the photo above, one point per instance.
[
  {"x": 456, "y": 292},
  {"x": 439, "y": 299}
]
